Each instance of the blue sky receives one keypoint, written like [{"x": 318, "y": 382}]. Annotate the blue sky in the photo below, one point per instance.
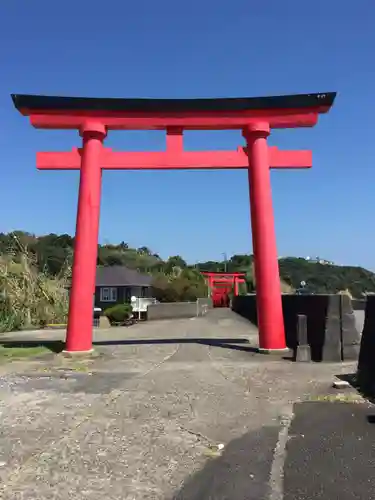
[{"x": 199, "y": 48}]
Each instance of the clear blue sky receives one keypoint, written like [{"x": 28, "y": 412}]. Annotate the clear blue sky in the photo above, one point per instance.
[{"x": 206, "y": 48}]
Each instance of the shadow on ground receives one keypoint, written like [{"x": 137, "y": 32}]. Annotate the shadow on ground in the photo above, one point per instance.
[
  {"x": 365, "y": 389},
  {"x": 330, "y": 452},
  {"x": 351, "y": 378},
  {"x": 231, "y": 343},
  {"x": 239, "y": 344},
  {"x": 242, "y": 471},
  {"x": 54, "y": 346}
]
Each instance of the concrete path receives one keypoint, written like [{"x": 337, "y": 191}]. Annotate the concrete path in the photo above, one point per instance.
[{"x": 146, "y": 418}]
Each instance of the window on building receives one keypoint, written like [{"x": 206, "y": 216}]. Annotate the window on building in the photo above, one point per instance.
[{"x": 108, "y": 294}]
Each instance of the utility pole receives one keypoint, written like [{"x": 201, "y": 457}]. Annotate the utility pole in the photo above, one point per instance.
[{"x": 225, "y": 262}]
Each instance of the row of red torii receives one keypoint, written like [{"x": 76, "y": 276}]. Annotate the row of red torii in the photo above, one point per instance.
[{"x": 254, "y": 117}]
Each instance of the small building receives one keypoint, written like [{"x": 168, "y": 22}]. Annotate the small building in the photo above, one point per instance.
[{"x": 117, "y": 284}]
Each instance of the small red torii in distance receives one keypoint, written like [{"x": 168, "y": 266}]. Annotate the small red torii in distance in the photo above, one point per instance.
[{"x": 223, "y": 282}]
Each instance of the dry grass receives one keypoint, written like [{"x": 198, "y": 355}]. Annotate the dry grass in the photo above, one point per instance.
[
  {"x": 285, "y": 287},
  {"x": 29, "y": 298},
  {"x": 351, "y": 397}
]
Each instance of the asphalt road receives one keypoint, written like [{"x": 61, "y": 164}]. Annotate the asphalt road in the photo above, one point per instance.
[
  {"x": 145, "y": 417},
  {"x": 330, "y": 452}
]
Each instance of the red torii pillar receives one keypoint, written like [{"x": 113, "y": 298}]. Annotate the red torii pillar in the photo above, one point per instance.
[
  {"x": 94, "y": 117},
  {"x": 268, "y": 288},
  {"x": 80, "y": 319}
]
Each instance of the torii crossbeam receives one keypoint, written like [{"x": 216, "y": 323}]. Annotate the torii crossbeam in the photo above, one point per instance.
[
  {"x": 94, "y": 117},
  {"x": 172, "y": 159}
]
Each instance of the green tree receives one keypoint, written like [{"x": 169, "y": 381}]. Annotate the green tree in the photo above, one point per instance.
[
  {"x": 174, "y": 261},
  {"x": 144, "y": 251}
]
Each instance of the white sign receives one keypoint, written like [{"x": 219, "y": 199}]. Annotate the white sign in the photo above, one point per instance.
[{"x": 140, "y": 303}]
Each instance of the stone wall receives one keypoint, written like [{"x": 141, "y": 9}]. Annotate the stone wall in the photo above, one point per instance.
[
  {"x": 359, "y": 304},
  {"x": 366, "y": 362},
  {"x": 331, "y": 330},
  {"x": 171, "y": 310}
]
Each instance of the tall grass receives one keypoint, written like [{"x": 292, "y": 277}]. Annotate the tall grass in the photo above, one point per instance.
[{"x": 28, "y": 297}]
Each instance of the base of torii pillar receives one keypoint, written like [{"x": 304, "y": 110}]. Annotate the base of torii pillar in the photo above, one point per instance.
[
  {"x": 78, "y": 354},
  {"x": 285, "y": 350}
]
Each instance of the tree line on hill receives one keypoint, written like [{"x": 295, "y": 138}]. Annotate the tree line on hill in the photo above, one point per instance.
[{"x": 174, "y": 279}]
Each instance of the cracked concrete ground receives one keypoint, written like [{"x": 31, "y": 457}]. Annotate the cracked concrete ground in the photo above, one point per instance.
[{"x": 143, "y": 419}]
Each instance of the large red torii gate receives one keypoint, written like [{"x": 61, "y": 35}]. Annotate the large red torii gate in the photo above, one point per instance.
[{"x": 94, "y": 117}]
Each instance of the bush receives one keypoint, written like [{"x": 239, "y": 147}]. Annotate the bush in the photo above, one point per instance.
[
  {"x": 29, "y": 298},
  {"x": 183, "y": 285},
  {"x": 118, "y": 313}
]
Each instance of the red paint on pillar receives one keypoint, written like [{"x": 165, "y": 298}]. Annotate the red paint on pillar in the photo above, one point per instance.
[
  {"x": 80, "y": 319},
  {"x": 235, "y": 287},
  {"x": 268, "y": 290}
]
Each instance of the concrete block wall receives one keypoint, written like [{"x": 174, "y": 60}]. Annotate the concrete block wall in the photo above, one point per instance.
[
  {"x": 366, "y": 362},
  {"x": 351, "y": 337},
  {"x": 171, "y": 310},
  {"x": 331, "y": 330},
  {"x": 359, "y": 304}
]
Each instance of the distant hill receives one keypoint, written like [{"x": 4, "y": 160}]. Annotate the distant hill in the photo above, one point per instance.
[
  {"x": 320, "y": 278},
  {"x": 327, "y": 278},
  {"x": 51, "y": 253}
]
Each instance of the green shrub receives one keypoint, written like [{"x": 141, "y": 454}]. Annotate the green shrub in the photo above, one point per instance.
[{"x": 118, "y": 313}]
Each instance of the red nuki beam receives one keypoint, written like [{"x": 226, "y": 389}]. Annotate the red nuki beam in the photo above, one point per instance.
[
  {"x": 227, "y": 280},
  {"x": 172, "y": 159}
]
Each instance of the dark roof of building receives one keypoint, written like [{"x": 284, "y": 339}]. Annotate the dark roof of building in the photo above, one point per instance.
[
  {"x": 57, "y": 103},
  {"x": 120, "y": 276}
]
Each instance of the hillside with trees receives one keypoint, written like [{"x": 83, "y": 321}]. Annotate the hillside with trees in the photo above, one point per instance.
[
  {"x": 319, "y": 277},
  {"x": 35, "y": 271}
]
